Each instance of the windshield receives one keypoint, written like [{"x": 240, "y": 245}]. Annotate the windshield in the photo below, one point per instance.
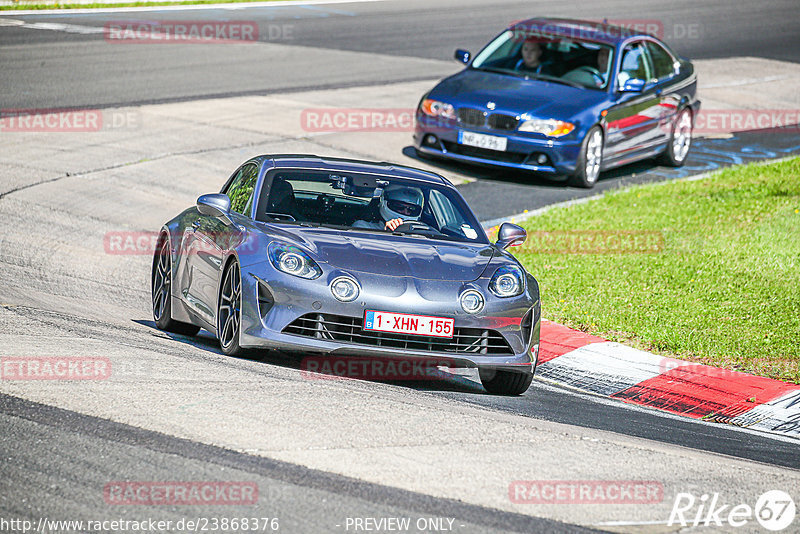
[
  {"x": 570, "y": 61},
  {"x": 362, "y": 202}
]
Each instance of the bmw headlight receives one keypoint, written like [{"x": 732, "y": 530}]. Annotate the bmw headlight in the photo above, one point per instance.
[
  {"x": 291, "y": 260},
  {"x": 508, "y": 281},
  {"x": 548, "y": 127},
  {"x": 434, "y": 108},
  {"x": 344, "y": 288},
  {"x": 471, "y": 301}
]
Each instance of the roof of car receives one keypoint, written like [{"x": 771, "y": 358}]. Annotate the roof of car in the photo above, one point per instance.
[
  {"x": 326, "y": 163},
  {"x": 602, "y": 32}
]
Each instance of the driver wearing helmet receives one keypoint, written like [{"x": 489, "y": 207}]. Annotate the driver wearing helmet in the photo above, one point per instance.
[{"x": 399, "y": 204}]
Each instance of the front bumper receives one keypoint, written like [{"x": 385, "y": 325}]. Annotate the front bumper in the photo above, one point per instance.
[
  {"x": 274, "y": 304},
  {"x": 522, "y": 152}
]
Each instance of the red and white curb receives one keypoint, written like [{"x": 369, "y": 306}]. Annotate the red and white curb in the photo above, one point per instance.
[{"x": 590, "y": 363}]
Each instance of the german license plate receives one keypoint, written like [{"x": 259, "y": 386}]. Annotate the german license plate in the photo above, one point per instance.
[
  {"x": 404, "y": 323},
  {"x": 492, "y": 142}
]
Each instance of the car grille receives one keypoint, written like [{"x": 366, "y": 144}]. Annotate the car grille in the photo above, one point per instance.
[
  {"x": 346, "y": 329},
  {"x": 485, "y": 153},
  {"x": 501, "y": 121},
  {"x": 471, "y": 117},
  {"x": 475, "y": 118}
]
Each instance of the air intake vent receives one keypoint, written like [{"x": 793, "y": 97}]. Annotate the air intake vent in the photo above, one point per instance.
[{"x": 349, "y": 330}]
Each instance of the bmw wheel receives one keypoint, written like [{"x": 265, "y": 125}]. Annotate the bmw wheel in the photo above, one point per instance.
[
  {"x": 229, "y": 311},
  {"x": 680, "y": 140},
  {"x": 161, "y": 286},
  {"x": 591, "y": 157},
  {"x": 500, "y": 382}
]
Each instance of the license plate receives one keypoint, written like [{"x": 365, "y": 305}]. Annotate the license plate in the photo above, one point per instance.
[
  {"x": 492, "y": 142},
  {"x": 404, "y": 323}
]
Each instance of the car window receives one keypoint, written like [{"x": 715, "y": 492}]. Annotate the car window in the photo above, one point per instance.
[
  {"x": 662, "y": 61},
  {"x": 448, "y": 216},
  {"x": 634, "y": 63},
  {"x": 363, "y": 202},
  {"x": 240, "y": 190},
  {"x": 573, "y": 61}
]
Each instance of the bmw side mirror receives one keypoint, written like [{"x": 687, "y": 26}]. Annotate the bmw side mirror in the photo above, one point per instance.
[
  {"x": 462, "y": 56},
  {"x": 215, "y": 205},
  {"x": 632, "y": 85},
  {"x": 510, "y": 235}
]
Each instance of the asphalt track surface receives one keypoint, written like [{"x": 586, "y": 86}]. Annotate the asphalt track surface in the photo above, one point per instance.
[{"x": 43, "y": 70}]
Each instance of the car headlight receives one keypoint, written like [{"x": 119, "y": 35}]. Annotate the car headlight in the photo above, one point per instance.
[
  {"x": 344, "y": 288},
  {"x": 548, "y": 127},
  {"x": 291, "y": 260},
  {"x": 434, "y": 108},
  {"x": 508, "y": 281},
  {"x": 471, "y": 301}
]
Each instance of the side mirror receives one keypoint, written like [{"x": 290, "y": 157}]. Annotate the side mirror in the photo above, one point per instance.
[
  {"x": 462, "y": 56},
  {"x": 632, "y": 85},
  {"x": 510, "y": 235},
  {"x": 215, "y": 205}
]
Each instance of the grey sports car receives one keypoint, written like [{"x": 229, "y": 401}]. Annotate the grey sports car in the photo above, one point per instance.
[{"x": 334, "y": 257}]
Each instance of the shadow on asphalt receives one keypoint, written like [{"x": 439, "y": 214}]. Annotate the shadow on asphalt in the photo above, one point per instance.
[
  {"x": 441, "y": 381},
  {"x": 530, "y": 178}
]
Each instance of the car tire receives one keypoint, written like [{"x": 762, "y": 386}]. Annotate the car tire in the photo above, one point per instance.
[
  {"x": 229, "y": 310},
  {"x": 680, "y": 140},
  {"x": 500, "y": 382},
  {"x": 589, "y": 161},
  {"x": 161, "y": 292}
]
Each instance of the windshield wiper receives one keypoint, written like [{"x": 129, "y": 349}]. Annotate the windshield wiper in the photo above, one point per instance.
[
  {"x": 500, "y": 71},
  {"x": 547, "y": 78}
]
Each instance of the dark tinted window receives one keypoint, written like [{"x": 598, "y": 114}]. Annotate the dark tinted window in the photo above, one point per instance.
[
  {"x": 241, "y": 189},
  {"x": 662, "y": 61}
]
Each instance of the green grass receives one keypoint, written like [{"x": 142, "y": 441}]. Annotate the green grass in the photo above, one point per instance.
[
  {"x": 725, "y": 288},
  {"x": 97, "y": 5}
]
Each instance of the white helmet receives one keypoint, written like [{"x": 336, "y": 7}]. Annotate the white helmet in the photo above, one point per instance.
[{"x": 401, "y": 202}]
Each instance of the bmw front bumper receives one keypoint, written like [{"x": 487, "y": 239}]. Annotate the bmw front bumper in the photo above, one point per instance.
[{"x": 522, "y": 151}]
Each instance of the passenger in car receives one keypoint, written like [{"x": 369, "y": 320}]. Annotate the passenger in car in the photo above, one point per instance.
[{"x": 531, "y": 60}]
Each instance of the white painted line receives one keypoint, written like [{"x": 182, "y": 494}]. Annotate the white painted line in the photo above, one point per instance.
[
  {"x": 781, "y": 415},
  {"x": 239, "y": 5},
  {"x": 556, "y": 387},
  {"x": 52, "y": 26},
  {"x": 747, "y": 81},
  {"x": 606, "y": 368}
]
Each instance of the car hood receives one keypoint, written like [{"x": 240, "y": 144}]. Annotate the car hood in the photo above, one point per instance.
[
  {"x": 475, "y": 88},
  {"x": 388, "y": 254}
]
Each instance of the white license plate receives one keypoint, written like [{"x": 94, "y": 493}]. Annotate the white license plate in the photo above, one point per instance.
[
  {"x": 492, "y": 142},
  {"x": 404, "y": 323}
]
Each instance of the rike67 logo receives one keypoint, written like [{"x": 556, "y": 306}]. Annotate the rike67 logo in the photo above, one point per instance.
[{"x": 774, "y": 510}]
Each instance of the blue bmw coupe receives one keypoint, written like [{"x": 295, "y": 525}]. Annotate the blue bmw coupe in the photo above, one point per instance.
[{"x": 564, "y": 98}]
